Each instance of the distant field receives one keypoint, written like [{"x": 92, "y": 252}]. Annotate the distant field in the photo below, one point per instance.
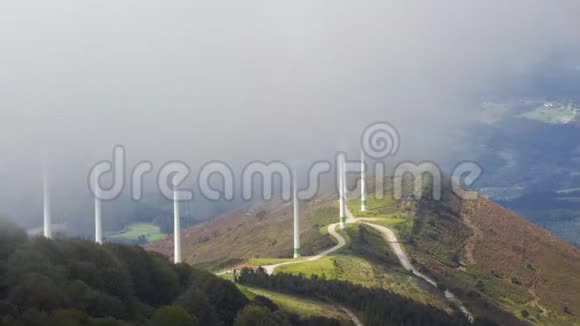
[
  {"x": 568, "y": 191},
  {"x": 553, "y": 115},
  {"x": 134, "y": 231},
  {"x": 56, "y": 228}
]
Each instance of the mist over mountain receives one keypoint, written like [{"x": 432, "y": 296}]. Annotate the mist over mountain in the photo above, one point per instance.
[
  {"x": 307, "y": 90},
  {"x": 292, "y": 82}
]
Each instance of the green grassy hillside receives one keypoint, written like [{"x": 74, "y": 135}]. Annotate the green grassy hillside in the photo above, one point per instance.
[{"x": 367, "y": 261}]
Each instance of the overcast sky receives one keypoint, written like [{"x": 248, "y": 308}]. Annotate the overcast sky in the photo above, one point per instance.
[{"x": 243, "y": 80}]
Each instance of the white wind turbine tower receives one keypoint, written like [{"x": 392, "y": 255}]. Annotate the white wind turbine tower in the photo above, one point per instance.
[
  {"x": 46, "y": 205},
  {"x": 363, "y": 183},
  {"x": 176, "y": 226},
  {"x": 341, "y": 190},
  {"x": 344, "y": 182},
  {"x": 98, "y": 212},
  {"x": 296, "y": 219}
]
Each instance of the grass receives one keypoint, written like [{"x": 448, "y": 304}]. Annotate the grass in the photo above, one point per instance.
[
  {"x": 512, "y": 297},
  {"x": 134, "y": 231},
  {"x": 325, "y": 216},
  {"x": 403, "y": 228},
  {"x": 340, "y": 267},
  {"x": 301, "y": 306},
  {"x": 385, "y": 207},
  {"x": 323, "y": 266},
  {"x": 366, "y": 264}
]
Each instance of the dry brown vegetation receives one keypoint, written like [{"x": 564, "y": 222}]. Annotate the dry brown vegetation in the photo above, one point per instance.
[
  {"x": 498, "y": 261},
  {"x": 511, "y": 246},
  {"x": 256, "y": 231}
]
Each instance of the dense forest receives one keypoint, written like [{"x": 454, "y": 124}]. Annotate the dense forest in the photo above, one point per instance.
[
  {"x": 75, "y": 282},
  {"x": 374, "y": 306}
]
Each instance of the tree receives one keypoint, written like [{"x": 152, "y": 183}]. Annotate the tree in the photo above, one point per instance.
[
  {"x": 67, "y": 318},
  {"x": 253, "y": 315},
  {"x": 76, "y": 282},
  {"x": 196, "y": 303},
  {"x": 222, "y": 294},
  {"x": 10, "y": 237},
  {"x": 265, "y": 302},
  {"x": 38, "y": 291},
  {"x": 155, "y": 281},
  {"x": 374, "y": 306},
  {"x": 174, "y": 316}
]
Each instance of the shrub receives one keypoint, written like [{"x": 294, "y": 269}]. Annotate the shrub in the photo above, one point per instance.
[
  {"x": 173, "y": 315},
  {"x": 253, "y": 315},
  {"x": 567, "y": 310},
  {"x": 525, "y": 314}
]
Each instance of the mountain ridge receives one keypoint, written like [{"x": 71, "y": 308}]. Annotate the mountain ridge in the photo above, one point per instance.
[{"x": 466, "y": 246}]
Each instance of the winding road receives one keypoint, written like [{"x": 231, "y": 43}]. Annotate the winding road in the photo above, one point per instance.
[
  {"x": 332, "y": 231},
  {"x": 393, "y": 242}
]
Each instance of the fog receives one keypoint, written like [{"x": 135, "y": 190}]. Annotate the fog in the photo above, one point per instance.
[{"x": 239, "y": 81}]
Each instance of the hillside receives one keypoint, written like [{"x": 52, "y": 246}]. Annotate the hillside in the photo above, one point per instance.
[
  {"x": 257, "y": 231},
  {"x": 486, "y": 253},
  {"x": 526, "y": 256},
  {"x": 496, "y": 262},
  {"x": 262, "y": 234}
]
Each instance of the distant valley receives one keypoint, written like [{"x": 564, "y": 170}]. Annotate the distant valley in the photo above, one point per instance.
[{"x": 530, "y": 155}]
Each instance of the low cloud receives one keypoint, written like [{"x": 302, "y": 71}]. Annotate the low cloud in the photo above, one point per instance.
[{"x": 292, "y": 81}]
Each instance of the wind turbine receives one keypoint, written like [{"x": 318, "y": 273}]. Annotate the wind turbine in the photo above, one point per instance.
[
  {"x": 341, "y": 189},
  {"x": 363, "y": 183},
  {"x": 296, "y": 219},
  {"x": 176, "y": 226},
  {"x": 46, "y": 205},
  {"x": 344, "y": 182},
  {"x": 98, "y": 213}
]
